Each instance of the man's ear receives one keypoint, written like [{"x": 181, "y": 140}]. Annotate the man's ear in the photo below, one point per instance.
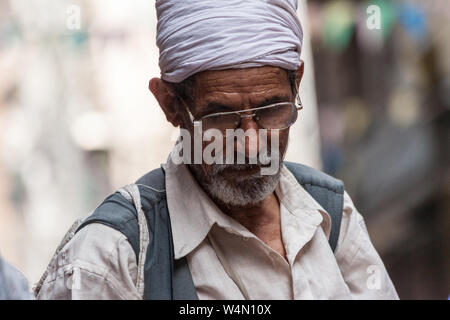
[
  {"x": 299, "y": 73},
  {"x": 165, "y": 95}
]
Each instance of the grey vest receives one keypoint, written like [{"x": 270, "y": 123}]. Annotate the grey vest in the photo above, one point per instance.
[{"x": 166, "y": 278}]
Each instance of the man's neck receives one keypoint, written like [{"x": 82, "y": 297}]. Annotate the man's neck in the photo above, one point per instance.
[{"x": 263, "y": 220}]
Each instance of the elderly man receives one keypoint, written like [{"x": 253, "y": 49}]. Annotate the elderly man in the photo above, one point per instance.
[{"x": 221, "y": 230}]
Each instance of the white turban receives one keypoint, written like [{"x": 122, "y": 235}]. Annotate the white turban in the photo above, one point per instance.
[{"x": 197, "y": 35}]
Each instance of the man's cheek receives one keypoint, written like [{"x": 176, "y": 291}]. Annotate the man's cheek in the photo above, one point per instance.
[
  {"x": 274, "y": 141},
  {"x": 283, "y": 141},
  {"x": 271, "y": 156}
]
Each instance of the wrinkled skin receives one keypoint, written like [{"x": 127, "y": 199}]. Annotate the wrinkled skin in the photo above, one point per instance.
[{"x": 237, "y": 89}]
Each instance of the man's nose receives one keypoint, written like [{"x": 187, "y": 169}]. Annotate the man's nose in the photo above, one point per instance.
[{"x": 250, "y": 128}]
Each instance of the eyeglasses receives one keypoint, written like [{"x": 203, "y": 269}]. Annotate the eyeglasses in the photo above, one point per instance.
[{"x": 277, "y": 116}]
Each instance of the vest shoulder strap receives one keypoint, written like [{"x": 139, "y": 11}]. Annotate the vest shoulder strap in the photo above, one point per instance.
[
  {"x": 165, "y": 278},
  {"x": 326, "y": 190}
]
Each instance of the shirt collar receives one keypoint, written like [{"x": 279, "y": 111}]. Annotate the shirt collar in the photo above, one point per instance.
[
  {"x": 193, "y": 213},
  {"x": 300, "y": 203},
  {"x": 300, "y": 215}
]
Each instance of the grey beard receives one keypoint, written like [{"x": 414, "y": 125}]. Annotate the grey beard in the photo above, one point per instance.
[{"x": 241, "y": 191}]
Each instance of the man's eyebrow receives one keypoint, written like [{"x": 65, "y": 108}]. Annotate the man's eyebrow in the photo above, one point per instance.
[
  {"x": 272, "y": 100},
  {"x": 218, "y": 105},
  {"x": 213, "y": 105}
]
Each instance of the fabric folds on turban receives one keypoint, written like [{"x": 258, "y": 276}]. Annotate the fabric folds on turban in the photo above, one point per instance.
[{"x": 197, "y": 35}]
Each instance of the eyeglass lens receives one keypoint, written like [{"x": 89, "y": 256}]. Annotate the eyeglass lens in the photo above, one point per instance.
[{"x": 279, "y": 116}]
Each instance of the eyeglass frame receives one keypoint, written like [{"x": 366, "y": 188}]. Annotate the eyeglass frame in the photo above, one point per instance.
[{"x": 297, "y": 105}]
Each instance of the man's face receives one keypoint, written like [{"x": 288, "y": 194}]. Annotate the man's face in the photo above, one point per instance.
[{"x": 233, "y": 90}]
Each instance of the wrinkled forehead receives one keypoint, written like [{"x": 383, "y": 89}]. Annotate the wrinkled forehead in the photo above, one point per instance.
[{"x": 241, "y": 86}]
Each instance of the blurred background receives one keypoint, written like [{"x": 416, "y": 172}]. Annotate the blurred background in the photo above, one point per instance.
[{"x": 77, "y": 121}]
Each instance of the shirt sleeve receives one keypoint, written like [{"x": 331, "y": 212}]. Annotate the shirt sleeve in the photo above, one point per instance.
[
  {"x": 361, "y": 266},
  {"x": 97, "y": 263},
  {"x": 13, "y": 285}
]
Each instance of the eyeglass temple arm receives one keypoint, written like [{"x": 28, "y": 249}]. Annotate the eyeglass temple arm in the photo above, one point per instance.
[{"x": 298, "y": 102}]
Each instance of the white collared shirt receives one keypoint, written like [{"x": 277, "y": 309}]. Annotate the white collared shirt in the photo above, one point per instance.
[{"x": 104, "y": 263}]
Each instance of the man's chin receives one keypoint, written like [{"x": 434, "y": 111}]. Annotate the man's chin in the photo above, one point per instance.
[
  {"x": 241, "y": 174},
  {"x": 243, "y": 191},
  {"x": 236, "y": 186}
]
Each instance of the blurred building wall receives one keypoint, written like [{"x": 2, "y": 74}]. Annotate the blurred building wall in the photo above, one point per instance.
[{"x": 384, "y": 102}]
